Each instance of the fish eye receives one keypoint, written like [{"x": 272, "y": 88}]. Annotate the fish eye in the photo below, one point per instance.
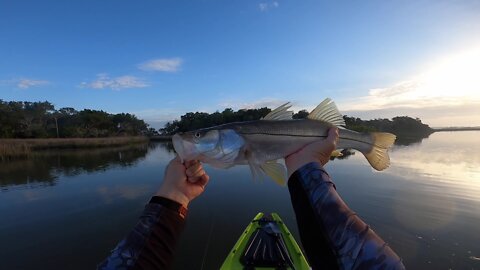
[{"x": 197, "y": 134}]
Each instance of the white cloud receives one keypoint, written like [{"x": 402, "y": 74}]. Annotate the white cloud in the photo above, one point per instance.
[
  {"x": 265, "y": 6},
  {"x": 415, "y": 99},
  {"x": 452, "y": 80},
  {"x": 446, "y": 94},
  {"x": 27, "y": 83},
  {"x": 103, "y": 81},
  {"x": 165, "y": 65}
]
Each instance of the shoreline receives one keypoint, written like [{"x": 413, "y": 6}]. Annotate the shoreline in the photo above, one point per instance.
[
  {"x": 18, "y": 148},
  {"x": 456, "y": 129}
]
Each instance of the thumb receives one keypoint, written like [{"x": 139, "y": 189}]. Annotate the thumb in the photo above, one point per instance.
[{"x": 332, "y": 138}]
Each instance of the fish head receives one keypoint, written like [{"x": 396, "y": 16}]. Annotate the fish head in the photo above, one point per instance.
[
  {"x": 191, "y": 145},
  {"x": 212, "y": 146}
]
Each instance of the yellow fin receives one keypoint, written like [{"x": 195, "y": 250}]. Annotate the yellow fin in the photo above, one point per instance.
[
  {"x": 280, "y": 113},
  {"x": 336, "y": 153},
  {"x": 378, "y": 155},
  {"x": 327, "y": 111},
  {"x": 276, "y": 171}
]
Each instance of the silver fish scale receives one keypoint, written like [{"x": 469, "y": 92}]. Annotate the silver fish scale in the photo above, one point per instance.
[
  {"x": 307, "y": 128},
  {"x": 270, "y": 140}
]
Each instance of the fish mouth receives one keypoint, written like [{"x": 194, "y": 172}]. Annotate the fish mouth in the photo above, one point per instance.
[{"x": 184, "y": 149}]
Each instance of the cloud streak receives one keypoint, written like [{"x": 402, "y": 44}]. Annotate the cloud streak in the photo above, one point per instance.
[
  {"x": 28, "y": 83},
  {"x": 447, "y": 94},
  {"x": 266, "y": 6},
  {"x": 162, "y": 65},
  {"x": 103, "y": 81},
  {"x": 413, "y": 98}
]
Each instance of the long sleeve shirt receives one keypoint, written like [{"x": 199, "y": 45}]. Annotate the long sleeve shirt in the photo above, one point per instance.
[
  {"x": 332, "y": 235},
  {"x": 151, "y": 243}
]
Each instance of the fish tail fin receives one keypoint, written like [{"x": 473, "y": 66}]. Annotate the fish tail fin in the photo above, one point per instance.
[{"x": 377, "y": 155}]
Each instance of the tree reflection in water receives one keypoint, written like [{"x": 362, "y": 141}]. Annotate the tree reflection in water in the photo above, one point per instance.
[{"x": 43, "y": 168}]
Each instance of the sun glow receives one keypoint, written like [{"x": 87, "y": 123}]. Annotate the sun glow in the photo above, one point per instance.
[
  {"x": 451, "y": 81},
  {"x": 457, "y": 76},
  {"x": 445, "y": 92}
]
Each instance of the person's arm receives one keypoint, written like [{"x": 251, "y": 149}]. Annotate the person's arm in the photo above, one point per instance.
[
  {"x": 333, "y": 236},
  {"x": 151, "y": 243}
]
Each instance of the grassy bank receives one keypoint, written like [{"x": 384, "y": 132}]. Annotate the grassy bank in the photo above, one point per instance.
[{"x": 15, "y": 148}]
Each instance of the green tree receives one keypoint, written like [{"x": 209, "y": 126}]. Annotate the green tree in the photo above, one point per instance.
[
  {"x": 41, "y": 120},
  {"x": 300, "y": 114}
]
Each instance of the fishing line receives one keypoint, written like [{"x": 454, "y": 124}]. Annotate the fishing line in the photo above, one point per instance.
[{"x": 208, "y": 241}]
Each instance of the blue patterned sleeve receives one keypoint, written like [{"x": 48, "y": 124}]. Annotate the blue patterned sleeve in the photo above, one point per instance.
[
  {"x": 352, "y": 242},
  {"x": 151, "y": 243}
]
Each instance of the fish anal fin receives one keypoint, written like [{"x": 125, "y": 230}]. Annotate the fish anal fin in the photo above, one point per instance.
[
  {"x": 327, "y": 111},
  {"x": 276, "y": 171},
  {"x": 280, "y": 113}
]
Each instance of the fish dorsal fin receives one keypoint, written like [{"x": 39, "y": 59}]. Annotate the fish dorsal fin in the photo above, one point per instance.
[
  {"x": 276, "y": 171},
  {"x": 327, "y": 111},
  {"x": 280, "y": 113}
]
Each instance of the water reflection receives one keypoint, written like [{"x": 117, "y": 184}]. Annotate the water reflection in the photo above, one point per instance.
[
  {"x": 426, "y": 205},
  {"x": 442, "y": 160},
  {"x": 43, "y": 168},
  {"x": 439, "y": 202},
  {"x": 405, "y": 141}
]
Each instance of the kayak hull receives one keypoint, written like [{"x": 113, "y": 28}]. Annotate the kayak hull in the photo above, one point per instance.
[{"x": 266, "y": 243}]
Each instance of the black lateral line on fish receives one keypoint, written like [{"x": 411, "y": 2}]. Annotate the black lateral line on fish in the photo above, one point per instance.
[
  {"x": 320, "y": 136},
  {"x": 281, "y": 134}
]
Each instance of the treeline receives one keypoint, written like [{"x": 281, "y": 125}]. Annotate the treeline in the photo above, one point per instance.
[
  {"x": 41, "y": 120},
  {"x": 402, "y": 126},
  {"x": 197, "y": 120}
]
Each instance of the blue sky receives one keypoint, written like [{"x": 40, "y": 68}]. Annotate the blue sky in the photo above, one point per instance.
[{"x": 160, "y": 59}]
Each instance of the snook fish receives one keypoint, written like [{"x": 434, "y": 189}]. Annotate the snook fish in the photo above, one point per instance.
[{"x": 261, "y": 143}]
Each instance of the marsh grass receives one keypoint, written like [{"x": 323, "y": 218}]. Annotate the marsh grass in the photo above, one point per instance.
[{"x": 21, "y": 148}]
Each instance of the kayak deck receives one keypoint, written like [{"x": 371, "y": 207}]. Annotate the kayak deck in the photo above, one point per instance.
[{"x": 266, "y": 243}]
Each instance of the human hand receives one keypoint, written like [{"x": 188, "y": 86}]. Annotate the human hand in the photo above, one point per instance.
[
  {"x": 183, "y": 182},
  {"x": 318, "y": 151}
]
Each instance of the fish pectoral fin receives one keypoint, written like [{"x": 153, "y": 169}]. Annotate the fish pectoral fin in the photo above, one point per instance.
[
  {"x": 280, "y": 113},
  {"x": 327, "y": 111},
  {"x": 276, "y": 171},
  {"x": 220, "y": 165},
  {"x": 255, "y": 170}
]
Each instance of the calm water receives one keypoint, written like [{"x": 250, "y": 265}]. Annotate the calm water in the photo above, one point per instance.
[{"x": 67, "y": 209}]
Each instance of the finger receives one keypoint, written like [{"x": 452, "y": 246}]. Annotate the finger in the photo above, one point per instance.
[
  {"x": 189, "y": 163},
  {"x": 176, "y": 162},
  {"x": 195, "y": 179},
  {"x": 199, "y": 179},
  {"x": 195, "y": 170},
  {"x": 203, "y": 180},
  {"x": 332, "y": 136}
]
